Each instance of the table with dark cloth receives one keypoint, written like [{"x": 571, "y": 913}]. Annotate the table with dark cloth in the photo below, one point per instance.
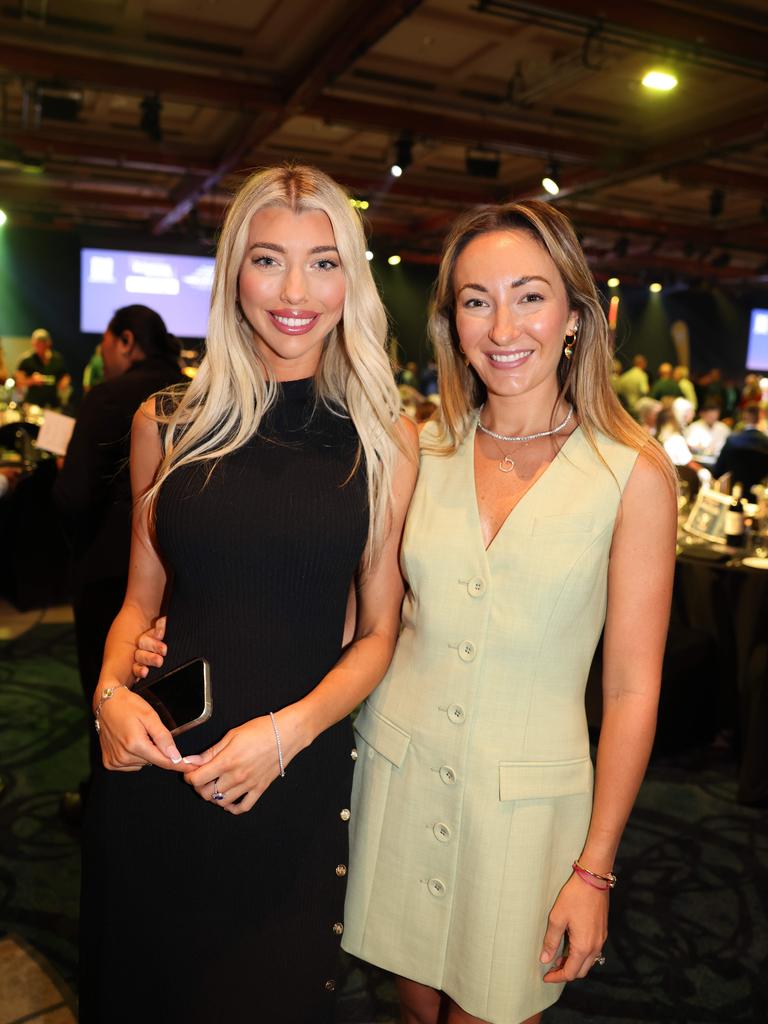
[{"x": 726, "y": 604}]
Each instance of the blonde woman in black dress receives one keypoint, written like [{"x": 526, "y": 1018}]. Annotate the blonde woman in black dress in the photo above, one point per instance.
[{"x": 279, "y": 479}]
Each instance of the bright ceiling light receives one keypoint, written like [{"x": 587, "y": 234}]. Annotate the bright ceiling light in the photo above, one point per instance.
[
  {"x": 549, "y": 181},
  {"x": 395, "y": 170},
  {"x": 368, "y": 255},
  {"x": 655, "y": 287},
  {"x": 393, "y": 260},
  {"x": 613, "y": 282},
  {"x": 3, "y": 217},
  {"x": 661, "y": 81}
]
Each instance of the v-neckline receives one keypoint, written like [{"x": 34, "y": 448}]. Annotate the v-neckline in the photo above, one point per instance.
[{"x": 473, "y": 476}]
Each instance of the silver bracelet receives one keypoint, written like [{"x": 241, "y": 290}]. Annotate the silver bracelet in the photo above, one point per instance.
[
  {"x": 105, "y": 696},
  {"x": 279, "y": 745}
]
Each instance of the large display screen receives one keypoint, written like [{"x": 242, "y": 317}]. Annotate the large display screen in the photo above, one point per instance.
[
  {"x": 176, "y": 287},
  {"x": 757, "y": 349}
]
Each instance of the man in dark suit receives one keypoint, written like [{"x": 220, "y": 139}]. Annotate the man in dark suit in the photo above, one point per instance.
[
  {"x": 93, "y": 488},
  {"x": 745, "y": 454}
]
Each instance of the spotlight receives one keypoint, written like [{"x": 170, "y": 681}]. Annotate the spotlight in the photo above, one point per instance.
[
  {"x": 368, "y": 255},
  {"x": 403, "y": 156},
  {"x": 150, "y": 117},
  {"x": 359, "y": 204},
  {"x": 549, "y": 181},
  {"x": 613, "y": 282},
  {"x": 393, "y": 260},
  {"x": 716, "y": 202},
  {"x": 482, "y": 163},
  {"x": 3, "y": 217},
  {"x": 661, "y": 81},
  {"x": 655, "y": 287}
]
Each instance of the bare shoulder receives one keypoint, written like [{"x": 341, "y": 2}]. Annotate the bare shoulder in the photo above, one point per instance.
[
  {"x": 649, "y": 482},
  {"x": 410, "y": 434},
  {"x": 648, "y": 510}
]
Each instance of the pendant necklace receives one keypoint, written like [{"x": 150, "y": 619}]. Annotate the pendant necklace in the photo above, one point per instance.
[{"x": 506, "y": 463}]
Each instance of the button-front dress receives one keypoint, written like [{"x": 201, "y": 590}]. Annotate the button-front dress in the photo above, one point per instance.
[
  {"x": 191, "y": 914},
  {"x": 473, "y": 787}
]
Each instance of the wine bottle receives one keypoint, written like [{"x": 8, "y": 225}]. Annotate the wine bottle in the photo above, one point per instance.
[{"x": 734, "y": 519}]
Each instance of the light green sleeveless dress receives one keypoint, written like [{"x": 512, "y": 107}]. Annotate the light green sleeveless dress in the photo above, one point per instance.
[{"x": 473, "y": 784}]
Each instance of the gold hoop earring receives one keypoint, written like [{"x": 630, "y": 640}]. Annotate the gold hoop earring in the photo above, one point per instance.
[{"x": 570, "y": 342}]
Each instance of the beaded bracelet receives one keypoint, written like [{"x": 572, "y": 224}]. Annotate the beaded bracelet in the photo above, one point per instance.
[{"x": 608, "y": 880}]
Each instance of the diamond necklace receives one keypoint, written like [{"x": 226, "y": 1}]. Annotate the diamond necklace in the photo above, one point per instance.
[
  {"x": 507, "y": 463},
  {"x": 525, "y": 437}
]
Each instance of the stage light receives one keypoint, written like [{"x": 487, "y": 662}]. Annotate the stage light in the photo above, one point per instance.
[
  {"x": 393, "y": 260},
  {"x": 403, "y": 156},
  {"x": 368, "y": 255},
  {"x": 661, "y": 81},
  {"x": 549, "y": 181},
  {"x": 655, "y": 287},
  {"x": 613, "y": 282},
  {"x": 359, "y": 204},
  {"x": 3, "y": 217}
]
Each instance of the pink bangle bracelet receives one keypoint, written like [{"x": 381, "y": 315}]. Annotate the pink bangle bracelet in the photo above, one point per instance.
[{"x": 601, "y": 882}]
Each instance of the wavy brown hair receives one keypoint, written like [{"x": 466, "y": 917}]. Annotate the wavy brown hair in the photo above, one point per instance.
[{"x": 584, "y": 380}]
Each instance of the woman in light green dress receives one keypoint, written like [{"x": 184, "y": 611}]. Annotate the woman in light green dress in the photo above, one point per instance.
[{"x": 542, "y": 513}]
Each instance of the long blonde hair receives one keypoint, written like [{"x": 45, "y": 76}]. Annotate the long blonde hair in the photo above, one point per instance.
[
  {"x": 224, "y": 405},
  {"x": 584, "y": 380}
]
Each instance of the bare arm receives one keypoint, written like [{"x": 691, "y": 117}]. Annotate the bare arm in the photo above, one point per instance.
[
  {"x": 640, "y": 577},
  {"x": 131, "y": 732},
  {"x": 245, "y": 761}
]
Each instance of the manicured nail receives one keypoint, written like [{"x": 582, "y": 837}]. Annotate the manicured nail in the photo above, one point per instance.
[
  {"x": 193, "y": 759},
  {"x": 173, "y": 754}
]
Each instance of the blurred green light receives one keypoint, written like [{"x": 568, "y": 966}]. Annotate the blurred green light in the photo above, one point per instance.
[{"x": 3, "y": 217}]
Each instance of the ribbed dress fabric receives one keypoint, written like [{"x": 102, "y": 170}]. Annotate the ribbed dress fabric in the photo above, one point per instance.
[{"x": 189, "y": 913}]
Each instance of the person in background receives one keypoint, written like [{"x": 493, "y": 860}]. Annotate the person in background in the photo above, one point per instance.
[
  {"x": 647, "y": 411},
  {"x": 745, "y": 454},
  {"x": 409, "y": 375},
  {"x": 670, "y": 436},
  {"x": 428, "y": 379},
  {"x": 633, "y": 384},
  {"x": 42, "y": 372},
  {"x": 93, "y": 488},
  {"x": 707, "y": 435},
  {"x": 665, "y": 386},
  {"x": 682, "y": 376},
  {"x": 93, "y": 373}
]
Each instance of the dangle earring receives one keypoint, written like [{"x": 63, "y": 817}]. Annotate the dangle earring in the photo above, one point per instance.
[{"x": 570, "y": 341}]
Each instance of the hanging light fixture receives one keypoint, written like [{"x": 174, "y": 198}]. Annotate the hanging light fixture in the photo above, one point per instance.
[{"x": 549, "y": 182}]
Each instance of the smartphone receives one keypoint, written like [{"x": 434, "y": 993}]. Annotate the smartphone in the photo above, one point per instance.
[{"x": 181, "y": 697}]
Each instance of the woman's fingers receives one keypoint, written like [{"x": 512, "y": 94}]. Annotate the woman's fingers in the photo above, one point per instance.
[{"x": 552, "y": 939}]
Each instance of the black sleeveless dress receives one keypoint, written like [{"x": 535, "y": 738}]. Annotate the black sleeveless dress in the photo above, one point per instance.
[{"x": 189, "y": 913}]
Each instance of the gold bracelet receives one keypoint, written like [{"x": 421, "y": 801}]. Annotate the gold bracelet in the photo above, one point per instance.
[
  {"x": 106, "y": 693},
  {"x": 609, "y": 878}
]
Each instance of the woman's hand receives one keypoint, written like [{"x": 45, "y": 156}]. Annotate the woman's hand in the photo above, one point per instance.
[
  {"x": 150, "y": 650},
  {"x": 132, "y": 735},
  {"x": 581, "y": 910},
  {"x": 244, "y": 762}
]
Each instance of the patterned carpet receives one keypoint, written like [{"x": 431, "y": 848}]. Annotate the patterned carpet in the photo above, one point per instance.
[{"x": 689, "y": 935}]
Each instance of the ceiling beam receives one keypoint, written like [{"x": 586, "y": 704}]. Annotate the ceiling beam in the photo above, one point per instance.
[
  {"x": 138, "y": 76},
  {"x": 347, "y": 38},
  {"x": 397, "y": 118}
]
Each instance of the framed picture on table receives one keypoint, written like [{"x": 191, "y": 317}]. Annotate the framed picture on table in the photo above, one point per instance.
[{"x": 707, "y": 516}]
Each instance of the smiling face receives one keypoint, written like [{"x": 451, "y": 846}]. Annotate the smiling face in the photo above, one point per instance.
[
  {"x": 512, "y": 313},
  {"x": 291, "y": 288}
]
